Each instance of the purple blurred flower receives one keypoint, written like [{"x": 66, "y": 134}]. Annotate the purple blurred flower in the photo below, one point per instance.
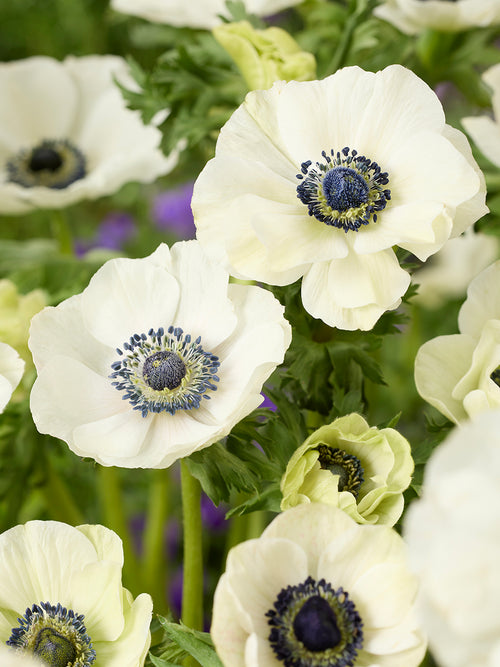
[
  {"x": 172, "y": 210},
  {"x": 213, "y": 517},
  {"x": 114, "y": 231},
  {"x": 267, "y": 403}
]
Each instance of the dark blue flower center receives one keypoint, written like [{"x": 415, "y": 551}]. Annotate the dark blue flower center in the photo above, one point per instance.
[
  {"x": 316, "y": 625},
  {"x": 53, "y": 163},
  {"x": 163, "y": 370},
  {"x": 55, "y": 635},
  {"x": 344, "y": 188},
  {"x": 313, "y": 625}
]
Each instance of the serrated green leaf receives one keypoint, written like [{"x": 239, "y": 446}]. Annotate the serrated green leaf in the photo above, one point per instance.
[{"x": 195, "y": 643}]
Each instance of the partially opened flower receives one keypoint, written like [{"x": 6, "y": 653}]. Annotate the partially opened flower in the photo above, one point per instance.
[
  {"x": 459, "y": 374},
  {"x": 413, "y": 16},
  {"x": 157, "y": 358},
  {"x": 485, "y": 131},
  {"x": 317, "y": 590},
  {"x": 453, "y": 535},
  {"x": 11, "y": 372},
  {"x": 67, "y": 134},
  {"x": 348, "y": 464},
  {"x": 196, "y": 14},
  {"x": 62, "y": 599},
  {"x": 448, "y": 273},
  {"x": 321, "y": 179}
]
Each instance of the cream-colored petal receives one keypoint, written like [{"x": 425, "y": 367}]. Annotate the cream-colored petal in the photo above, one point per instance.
[{"x": 482, "y": 303}]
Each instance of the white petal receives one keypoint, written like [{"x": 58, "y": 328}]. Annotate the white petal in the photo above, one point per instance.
[
  {"x": 352, "y": 293},
  {"x": 151, "y": 296},
  {"x": 482, "y": 303}
]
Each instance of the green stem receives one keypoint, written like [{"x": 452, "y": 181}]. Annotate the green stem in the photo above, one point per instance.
[
  {"x": 192, "y": 593},
  {"x": 361, "y": 9},
  {"x": 61, "y": 231},
  {"x": 60, "y": 503},
  {"x": 154, "y": 565},
  {"x": 114, "y": 518}
]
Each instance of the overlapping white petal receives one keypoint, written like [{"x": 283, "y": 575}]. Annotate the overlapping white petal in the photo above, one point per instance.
[
  {"x": 322, "y": 542},
  {"x": 454, "y": 542},
  {"x": 75, "y": 100},
  {"x": 485, "y": 131},
  {"x": 455, "y": 373},
  {"x": 80, "y": 569},
  {"x": 11, "y": 372},
  {"x": 197, "y": 14},
  {"x": 74, "y": 345},
  {"x": 413, "y": 16},
  {"x": 249, "y": 217}
]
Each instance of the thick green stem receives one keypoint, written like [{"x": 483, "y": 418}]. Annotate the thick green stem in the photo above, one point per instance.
[
  {"x": 114, "y": 518},
  {"x": 59, "y": 501},
  {"x": 61, "y": 231},
  {"x": 192, "y": 593},
  {"x": 154, "y": 564}
]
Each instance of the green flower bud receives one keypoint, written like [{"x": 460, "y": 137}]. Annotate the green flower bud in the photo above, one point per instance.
[
  {"x": 265, "y": 56},
  {"x": 348, "y": 464}
]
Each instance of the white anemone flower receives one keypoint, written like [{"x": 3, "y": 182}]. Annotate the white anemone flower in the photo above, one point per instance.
[
  {"x": 318, "y": 590},
  {"x": 413, "y": 16},
  {"x": 67, "y": 135},
  {"x": 11, "y": 372},
  {"x": 157, "y": 358},
  {"x": 320, "y": 179},
  {"x": 62, "y": 598},
  {"x": 459, "y": 374},
  {"x": 448, "y": 273},
  {"x": 196, "y": 14},
  {"x": 453, "y": 536},
  {"x": 485, "y": 131}
]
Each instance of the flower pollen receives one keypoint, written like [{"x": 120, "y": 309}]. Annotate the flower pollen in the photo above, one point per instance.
[
  {"x": 164, "y": 371},
  {"x": 346, "y": 190},
  {"x": 313, "y": 625},
  {"x": 55, "y": 635},
  {"x": 347, "y": 466},
  {"x": 52, "y": 164}
]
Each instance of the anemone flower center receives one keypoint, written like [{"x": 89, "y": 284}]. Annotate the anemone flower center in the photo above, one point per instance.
[
  {"x": 164, "y": 371},
  {"x": 495, "y": 376},
  {"x": 347, "y": 466},
  {"x": 54, "y": 163},
  {"x": 55, "y": 635},
  {"x": 313, "y": 625},
  {"x": 345, "y": 190}
]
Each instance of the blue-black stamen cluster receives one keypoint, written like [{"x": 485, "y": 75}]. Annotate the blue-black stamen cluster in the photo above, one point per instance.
[
  {"x": 495, "y": 376},
  {"x": 54, "y": 634},
  {"x": 313, "y": 625},
  {"x": 345, "y": 191},
  {"x": 347, "y": 466},
  {"x": 53, "y": 163},
  {"x": 164, "y": 371}
]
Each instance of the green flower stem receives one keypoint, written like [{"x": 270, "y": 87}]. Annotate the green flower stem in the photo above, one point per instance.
[
  {"x": 154, "y": 564},
  {"x": 59, "y": 501},
  {"x": 61, "y": 231},
  {"x": 256, "y": 522},
  {"x": 114, "y": 518},
  {"x": 361, "y": 8},
  {"x": 192, "y": 593},
  {"x": 492, "y": 180}
]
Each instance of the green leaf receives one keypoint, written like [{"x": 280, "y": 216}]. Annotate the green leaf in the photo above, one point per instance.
[{"x": 195, "y": 643}]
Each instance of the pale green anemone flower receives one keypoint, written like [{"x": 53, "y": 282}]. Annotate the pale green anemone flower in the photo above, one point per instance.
[
  {"x": 318, "y": 590},
  {"x": 265, "y": 56},
  {"x": 459, "y": 374},
  {"x": 62, "y": 600},
  {"x": 348, "y": 464},
  {"x": 413, "y": 16},
  {"x": 485, "y": 131},
  {"x": 11, "y": 372},
  {"x": 453, "y": 538}
]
